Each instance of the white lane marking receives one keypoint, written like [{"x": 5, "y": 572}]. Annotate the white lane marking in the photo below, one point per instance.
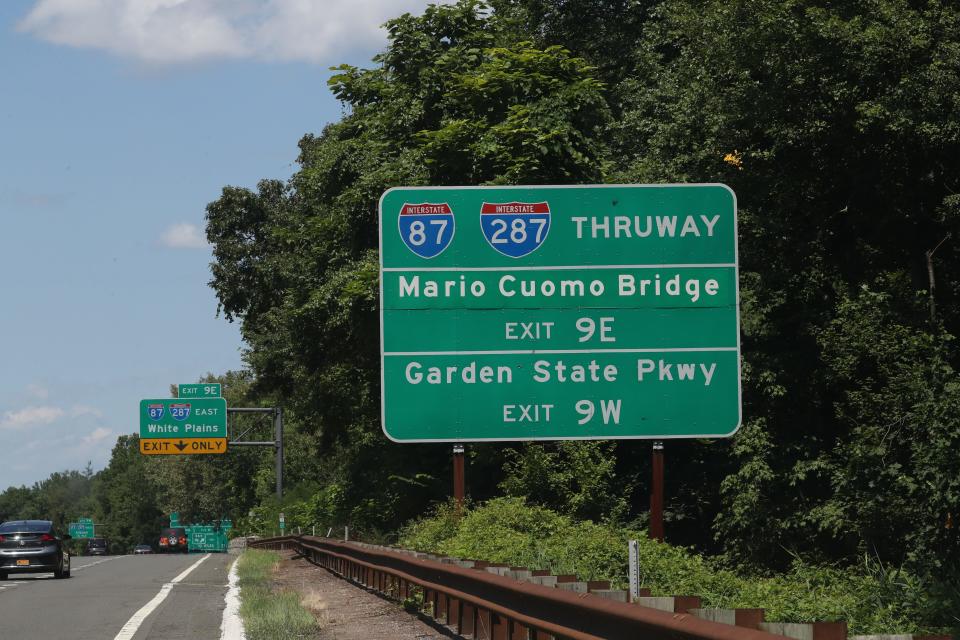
[
  {"x": 231, "y": 628},
  {"x": 92, "y": 564},
  {"x": 133, "y": 624}
]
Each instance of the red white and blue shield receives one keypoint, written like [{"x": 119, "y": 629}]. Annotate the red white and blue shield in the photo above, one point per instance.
[
  {"x": 180, "y": 411},
  {"x": 155, "y": 411},
  {"x": 515, "y": 229},
  {"x": 426, "y": 228}
]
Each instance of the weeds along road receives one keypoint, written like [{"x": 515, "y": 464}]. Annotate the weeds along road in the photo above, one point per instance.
[{"x": 149, "y": 597}]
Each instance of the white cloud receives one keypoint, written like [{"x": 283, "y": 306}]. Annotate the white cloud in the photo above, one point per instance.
[
  {"x": 38, "y": 391},
  {"x": 79, "y": 410},
  {"x": 97, "y": 435},
  {"x": 174, "y": 31},
  {"x": 183, "y": 235},
  {"x": 29, "y": 416}
]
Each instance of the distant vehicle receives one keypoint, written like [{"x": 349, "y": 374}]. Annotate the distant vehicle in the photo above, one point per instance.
[
  {"x": 173, "y": 539},
  {"x": 33, "y": 546},
  {"x": 141, "y": 549},
  {"x": 96, "y": 547}
]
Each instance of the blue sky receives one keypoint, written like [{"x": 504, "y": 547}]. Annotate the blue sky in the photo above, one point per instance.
[{"x": 119, "y": 121}]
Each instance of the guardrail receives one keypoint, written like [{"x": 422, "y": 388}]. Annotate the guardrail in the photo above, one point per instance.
[{"x": 486, "y": 606}]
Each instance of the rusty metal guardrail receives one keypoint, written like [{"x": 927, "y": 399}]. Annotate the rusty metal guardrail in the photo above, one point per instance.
[{"x": 486, "y": 606}]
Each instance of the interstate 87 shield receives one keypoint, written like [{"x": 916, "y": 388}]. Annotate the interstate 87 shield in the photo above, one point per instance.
[{"x": 581, "y": 312}]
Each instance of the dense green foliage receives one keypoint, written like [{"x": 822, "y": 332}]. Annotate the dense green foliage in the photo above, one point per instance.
[
  {"x": 870, "y": 598},
  {"x": 837, "y": 126}
]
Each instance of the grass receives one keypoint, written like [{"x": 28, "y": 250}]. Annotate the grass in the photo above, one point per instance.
[{"x": 269, "y": 615}]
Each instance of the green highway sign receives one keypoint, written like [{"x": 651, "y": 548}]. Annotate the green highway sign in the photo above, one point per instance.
[
  {"x": 547, "y": 313},
  {"x": 81, "y": 529},
  {"x": 203, "y": 390},
  {"x": 179, "y": 418}
]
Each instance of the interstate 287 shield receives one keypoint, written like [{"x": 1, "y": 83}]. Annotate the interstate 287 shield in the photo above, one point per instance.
[
  {"x": 180, "y": 411},
  {"x": 515, "y": 229}
]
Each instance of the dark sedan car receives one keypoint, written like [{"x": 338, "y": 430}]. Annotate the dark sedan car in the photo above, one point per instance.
[{"x": 32, "y": 546}]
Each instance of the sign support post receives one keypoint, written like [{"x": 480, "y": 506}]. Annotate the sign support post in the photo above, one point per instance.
[
  {"x": 459, "y": 479},
  {"x": 656, "y": 494},
  {"x": 276, "y": 443}
]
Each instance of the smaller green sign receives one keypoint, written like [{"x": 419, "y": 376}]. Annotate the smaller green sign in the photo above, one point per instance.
[
  {"x": 203, "y": 390},
  {"x": 182, "y": 418},
  {"x": 208, "y": 537}
]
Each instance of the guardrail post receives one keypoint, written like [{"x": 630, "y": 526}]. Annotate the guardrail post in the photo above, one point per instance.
[
  {"x": 501, "y": 628},
  {"x": 467, "y": 624},
  {"x": 484, "y": 625},
  {"x": 441, "y": 612}
]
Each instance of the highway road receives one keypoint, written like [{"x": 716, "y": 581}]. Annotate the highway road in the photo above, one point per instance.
[{"x": 118, "y": 597}]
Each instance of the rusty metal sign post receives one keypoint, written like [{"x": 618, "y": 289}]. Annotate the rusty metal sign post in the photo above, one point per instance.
[
  {"x": 656, "y": 493},
  {"x": 459, "y": 479}
]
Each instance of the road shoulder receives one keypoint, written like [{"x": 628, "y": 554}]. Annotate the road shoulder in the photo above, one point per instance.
[{"x": 344, "y": 611}]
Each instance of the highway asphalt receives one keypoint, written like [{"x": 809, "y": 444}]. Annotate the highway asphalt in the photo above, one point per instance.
[{"x": 111, "y": 596}]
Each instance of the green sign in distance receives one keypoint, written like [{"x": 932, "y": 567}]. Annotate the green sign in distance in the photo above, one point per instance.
[
  {"x": 546, "y": 313},
  {"x": 181, "y": 418},
  {"x": 203, "y": 390},
  {"x": 81, "y": 529}
]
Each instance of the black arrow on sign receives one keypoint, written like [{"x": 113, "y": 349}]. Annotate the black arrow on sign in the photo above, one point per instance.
[{"x": 181, "y": 445}]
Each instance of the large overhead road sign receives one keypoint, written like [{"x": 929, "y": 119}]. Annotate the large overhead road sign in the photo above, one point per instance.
[
  {"x": 544, "y": 313},
  {"x": 179, "y": 418}
]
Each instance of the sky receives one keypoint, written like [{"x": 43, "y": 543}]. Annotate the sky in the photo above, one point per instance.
[{"x": 119, "y": 121}]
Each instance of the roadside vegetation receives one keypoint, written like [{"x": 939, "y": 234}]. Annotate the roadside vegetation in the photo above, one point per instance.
[
  {"x": 873, "y": 599},
  {"x": 268, "y": 614}
]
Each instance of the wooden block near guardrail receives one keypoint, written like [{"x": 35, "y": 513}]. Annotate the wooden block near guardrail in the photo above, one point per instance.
[
  {"x": 673, "y": 604},
  {"x": 807, "y": 631},
  {"x": 570, "y": 582},
  {"x": 545, "y": 580},
  {"x": 618, "y": 595},
  {"x": 520, "y": 573},
  {"x": 748, "y": 618}
]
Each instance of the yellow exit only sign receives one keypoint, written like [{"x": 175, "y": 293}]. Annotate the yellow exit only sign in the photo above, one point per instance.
[{"x": 182, "y": 446}]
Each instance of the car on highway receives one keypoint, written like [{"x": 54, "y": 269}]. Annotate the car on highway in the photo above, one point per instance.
[
  {"x": 96, "y": 547},
  {"x": 173, "y": 540},
  {"x": 141, "y": 549},
  {"x": 33, "y": 546}
]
